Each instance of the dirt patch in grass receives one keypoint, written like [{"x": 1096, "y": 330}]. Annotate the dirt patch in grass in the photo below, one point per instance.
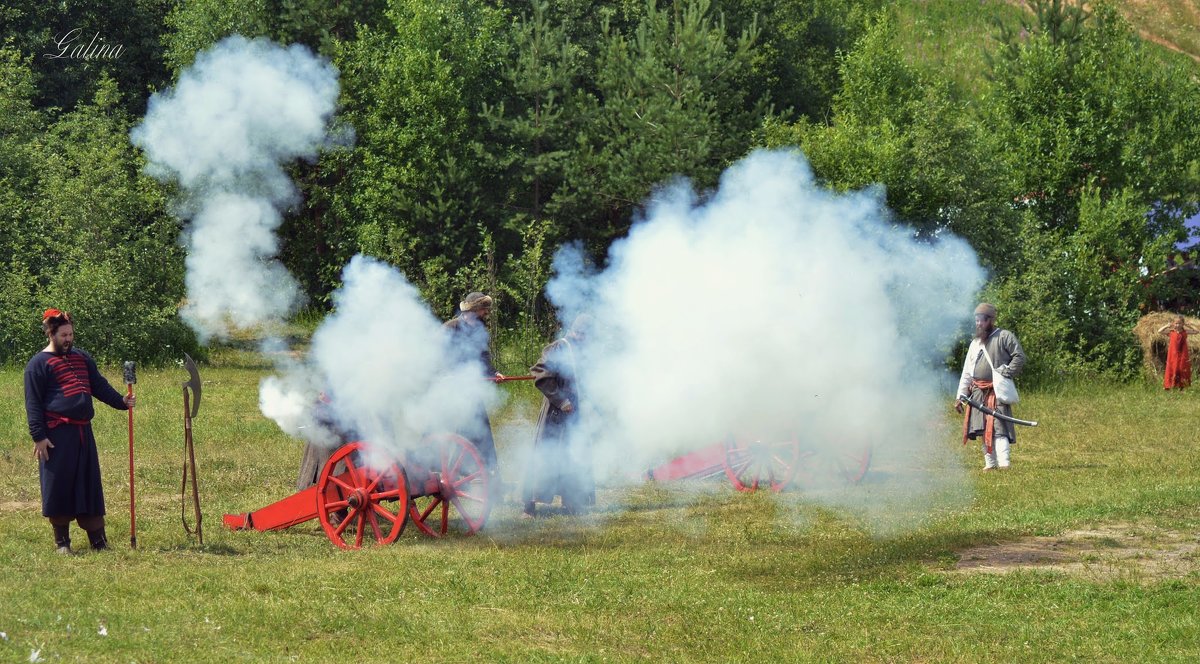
[{"x": 1117, "y": 550}]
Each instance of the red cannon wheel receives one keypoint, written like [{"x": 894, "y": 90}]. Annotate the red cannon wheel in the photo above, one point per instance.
[
  {"x": 751, "y": 463},
  {"x": 844, "y": 464},
  {"x": 451, "y": 486},
  {"x": 360, "y": 500}
]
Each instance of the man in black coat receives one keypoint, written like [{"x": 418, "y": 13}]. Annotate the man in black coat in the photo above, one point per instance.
[{"x": 60, "y": 382}]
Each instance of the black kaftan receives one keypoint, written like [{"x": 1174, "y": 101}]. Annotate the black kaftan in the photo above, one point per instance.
[{"x": 58, "y": 405}]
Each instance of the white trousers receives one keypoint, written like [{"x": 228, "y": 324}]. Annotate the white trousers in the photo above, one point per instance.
[{"x": 1000, "y": 458}]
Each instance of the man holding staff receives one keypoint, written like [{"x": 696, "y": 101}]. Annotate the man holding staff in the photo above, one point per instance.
[{"x": 60, "y": 382}]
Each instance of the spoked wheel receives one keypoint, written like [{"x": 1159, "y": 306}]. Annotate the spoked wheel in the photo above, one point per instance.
[
  {"x": 455, "y": 494},
  {"x": 844, "y": 464},
  {"x": 360, "y": 502},
  {"x": 752, "y": 463}
]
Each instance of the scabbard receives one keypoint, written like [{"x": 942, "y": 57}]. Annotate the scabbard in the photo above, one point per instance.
[{"x": 1000, "y": 416}]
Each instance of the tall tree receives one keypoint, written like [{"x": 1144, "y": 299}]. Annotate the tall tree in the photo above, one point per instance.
[
  {"x": 94, "y": 238},
  {"x": 795, "y": 61},
  {"x": 898, "y": 126},
  {"x": 72, "y": 45},
  {"x": 1100, "y": 139},
  {"x": 418, "y": 187},
  {"x": 21, "y": 127},
  {"x": 666, "y": 103},
  {"x": 1096, "y": 108},
  {"x": 198, "y": 24},
  {"x": 316, "y": 236},
  {"x": 532, "y": 124}
]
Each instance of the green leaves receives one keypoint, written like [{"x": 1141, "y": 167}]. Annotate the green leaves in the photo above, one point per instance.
[
  {"x": 92, "y": 237},
  {"x": 415, "y": 174},
  {"x": 1100, "y": 139},
  {"x": 902, "y": 127}
]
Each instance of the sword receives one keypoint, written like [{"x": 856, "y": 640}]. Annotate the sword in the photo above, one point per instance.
[{"x": 1000, "y": 416}]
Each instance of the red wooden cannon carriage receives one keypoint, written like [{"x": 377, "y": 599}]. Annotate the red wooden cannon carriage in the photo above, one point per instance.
[
  {"x": 441, "y": 486},
  {"x": 750, "y": 463}
]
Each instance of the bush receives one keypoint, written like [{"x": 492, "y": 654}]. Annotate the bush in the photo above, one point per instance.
[
  {"x": 94, "y": 238},
  {"x": 1074, "y": 300}
]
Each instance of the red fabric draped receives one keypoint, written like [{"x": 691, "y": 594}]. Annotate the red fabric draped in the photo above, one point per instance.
[
  {"x": 989, "y": 422},
  {"x": 1179, "y": 366}
]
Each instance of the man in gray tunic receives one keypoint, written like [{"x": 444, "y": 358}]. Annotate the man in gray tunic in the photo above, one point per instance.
[
  {"x": 560, "y": 463},
  {"x": 991, "y": 347}
]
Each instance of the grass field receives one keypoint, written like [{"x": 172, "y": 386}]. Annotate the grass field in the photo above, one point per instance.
[
  {"x": 951, "y": 36},
  {"x": 1086, "y": 550}
]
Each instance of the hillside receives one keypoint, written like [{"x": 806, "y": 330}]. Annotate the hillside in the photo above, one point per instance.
[{"x": 952, "y": 35}]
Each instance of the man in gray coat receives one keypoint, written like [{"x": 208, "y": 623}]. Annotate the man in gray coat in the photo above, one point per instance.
[
  {"x": 559, "y": 465},
  {"x": 992, "y": 348},
  {"x": 469, "y": 337}
]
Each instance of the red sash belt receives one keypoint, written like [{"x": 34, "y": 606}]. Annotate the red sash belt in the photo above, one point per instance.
[
  {"x": 54, "y": 420},
  {"x": 989, "y": 422}
]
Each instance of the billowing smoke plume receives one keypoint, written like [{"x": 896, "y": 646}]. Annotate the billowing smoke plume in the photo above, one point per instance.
[
  {"x": 242, "y": 112},
  {"x": 236, "y": 116},
  {"x": 773, "y": 309},
  {"x": 386, "y": 365}
]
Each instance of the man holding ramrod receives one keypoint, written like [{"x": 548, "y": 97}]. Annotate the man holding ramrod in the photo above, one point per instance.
[{"x": 60, "y": 382}]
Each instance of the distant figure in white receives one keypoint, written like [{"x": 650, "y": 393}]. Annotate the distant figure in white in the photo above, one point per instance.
[{"x": 993, "y": 351}]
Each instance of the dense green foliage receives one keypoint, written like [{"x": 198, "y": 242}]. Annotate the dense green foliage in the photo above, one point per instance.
[
  {"x": 1071, "y": 175},
  {"x": 488, "y": 133},
  {"x": 84, "y": 229}
]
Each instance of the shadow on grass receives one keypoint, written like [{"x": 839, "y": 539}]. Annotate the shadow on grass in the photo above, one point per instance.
[
  {"x": 211, "y": 549},
  {"x": 668, "y": 503},
  {"x": 855, "y": 557}
]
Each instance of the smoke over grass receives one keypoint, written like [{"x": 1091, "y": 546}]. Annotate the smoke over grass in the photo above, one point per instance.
[
  {"x": 387, "y": 368},
  {"x": 774, "y": 309},
  {"x": 390, "y": 366},
  {"x": 223, "y": 133}
]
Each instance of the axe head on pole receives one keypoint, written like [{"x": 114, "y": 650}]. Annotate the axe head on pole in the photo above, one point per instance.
[{"x": 193, "y": 382}]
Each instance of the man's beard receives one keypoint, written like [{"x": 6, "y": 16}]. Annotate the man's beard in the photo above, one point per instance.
[{"x": 63, "y": 349}]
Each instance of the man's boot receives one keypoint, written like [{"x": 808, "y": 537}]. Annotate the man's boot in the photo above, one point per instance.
[
  {"x": 62, "y": 539},
  {"x": 98, "y": 539}
]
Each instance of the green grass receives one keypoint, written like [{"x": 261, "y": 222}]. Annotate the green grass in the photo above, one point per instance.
[
  {"x": 1174, "y": 22},
  {"x": 658, "y": 573},
  {"x": 952, "y": 36}
]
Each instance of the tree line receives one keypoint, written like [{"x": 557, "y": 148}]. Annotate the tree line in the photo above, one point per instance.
[{"x": 490, "y": 132}]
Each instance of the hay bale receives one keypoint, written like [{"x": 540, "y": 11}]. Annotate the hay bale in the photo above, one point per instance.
[{"x": 1154, "y": 345}]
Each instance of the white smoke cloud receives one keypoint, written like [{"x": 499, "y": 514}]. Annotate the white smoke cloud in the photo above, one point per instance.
[
  {"x": 290, "y": 399},
  {"x": 223, "y": 132},
  {"x": 774, "y": 308},
  {"x": 387, "y": 365}
]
